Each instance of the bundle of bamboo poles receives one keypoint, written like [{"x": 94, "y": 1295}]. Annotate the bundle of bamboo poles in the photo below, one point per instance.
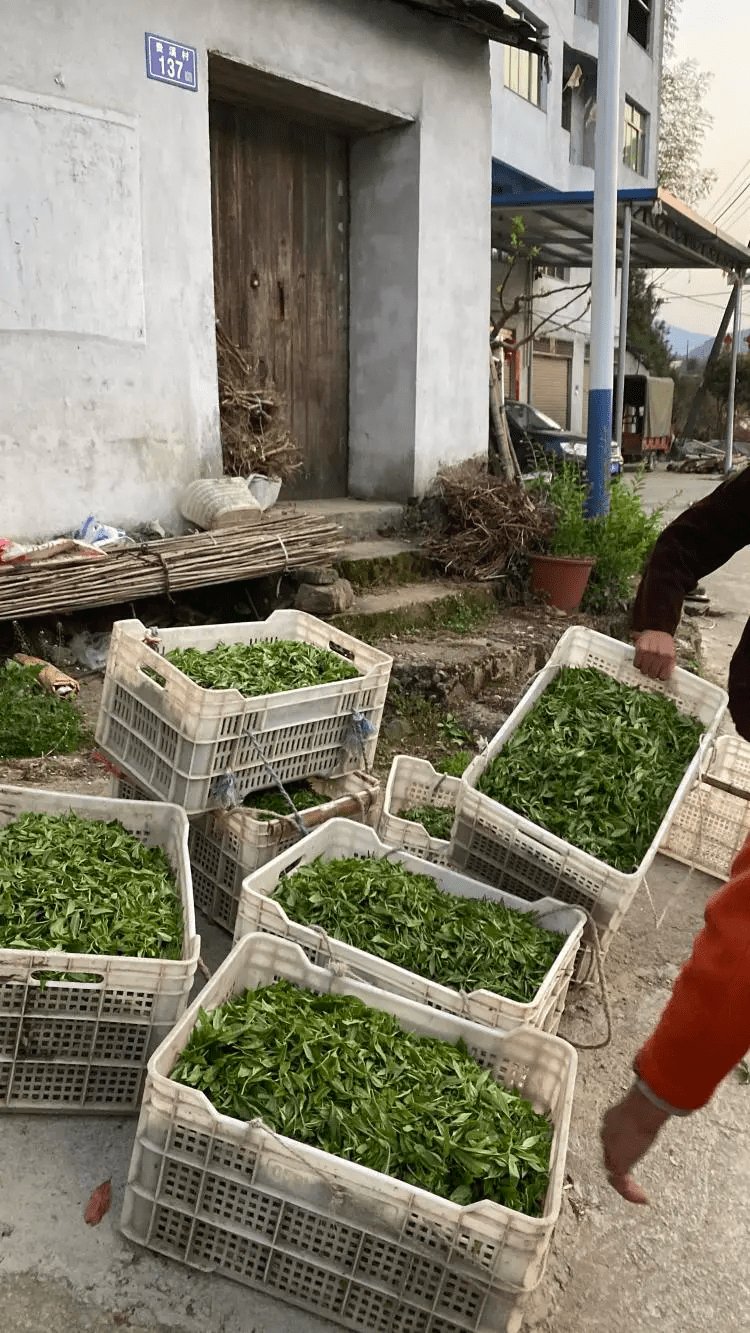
[{"x": 225, "y": 556}]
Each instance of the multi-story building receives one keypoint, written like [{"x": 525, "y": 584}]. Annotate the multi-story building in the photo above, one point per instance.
[{"x": 543, "y": 129}]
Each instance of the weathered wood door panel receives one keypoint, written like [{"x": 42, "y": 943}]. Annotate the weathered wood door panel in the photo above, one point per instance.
[{"x": 280, "y": 202}]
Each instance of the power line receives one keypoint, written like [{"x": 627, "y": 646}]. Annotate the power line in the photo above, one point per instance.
[
  {"x": 717, "y": 202},
  {"x": 728, "y": 208},
  {"x": 738, "y": 213}
]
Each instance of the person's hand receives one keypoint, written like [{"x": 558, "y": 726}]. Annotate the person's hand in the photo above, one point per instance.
[
  {"x": 655, "y": 654},
  {"x": 628, "y": 1131}
]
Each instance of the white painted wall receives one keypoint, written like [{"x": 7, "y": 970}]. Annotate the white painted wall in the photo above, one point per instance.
[
  {"x": 103, "y": 410},
  {"x": 533, "y": 140}
]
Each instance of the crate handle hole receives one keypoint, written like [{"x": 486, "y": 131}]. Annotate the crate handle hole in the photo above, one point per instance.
[
  {"x": 68, "y": 978},
  {"x": 339, "y": 648},
  {"x": 161, "y": 681},
  {"x": 292, "y": 866}
]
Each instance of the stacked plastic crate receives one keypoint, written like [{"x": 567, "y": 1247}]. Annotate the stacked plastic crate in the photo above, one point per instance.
[
  {"x": 205, "y": 749},
  {"x": 77, "y": 1030},
  {"x": 396, "y": 1257}
]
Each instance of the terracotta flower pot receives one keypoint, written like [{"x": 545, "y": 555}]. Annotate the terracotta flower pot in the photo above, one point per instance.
[{"x": 562, "y": 578}]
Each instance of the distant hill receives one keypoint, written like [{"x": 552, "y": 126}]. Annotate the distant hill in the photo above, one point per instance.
[
  {"x": 683, "y": 341},
  {"x": 698, "y": 346}
]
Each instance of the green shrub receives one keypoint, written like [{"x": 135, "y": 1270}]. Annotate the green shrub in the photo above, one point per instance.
[{"x": 621, "y": 540}]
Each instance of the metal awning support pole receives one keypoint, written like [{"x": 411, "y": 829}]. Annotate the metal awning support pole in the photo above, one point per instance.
[
  {"x": 728, "y": 459},
  {"x": 624, "y": 293},
  {"x": 604, "y": 257}
]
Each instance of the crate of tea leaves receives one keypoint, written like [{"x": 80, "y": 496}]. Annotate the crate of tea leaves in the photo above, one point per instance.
[
  {"x": 419, "y": 807},
  {"x": 409, "y": 1177},
  {"x": 575, "y": 792},
  {"x": 98, "y": 949},
  {"x": 205, "y": 716},
  {"x": 417, "y": 929}
]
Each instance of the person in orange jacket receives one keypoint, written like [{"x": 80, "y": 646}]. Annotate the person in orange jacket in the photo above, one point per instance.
[{"x": 705, "y": 1029}]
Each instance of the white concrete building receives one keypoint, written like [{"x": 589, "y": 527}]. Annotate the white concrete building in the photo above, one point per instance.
[
  {"x": 314, "y": 172},
  {"x": 543, "y": 125}
]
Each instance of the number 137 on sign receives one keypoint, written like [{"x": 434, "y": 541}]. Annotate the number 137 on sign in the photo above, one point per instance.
[{"x": 168, "y": 61}]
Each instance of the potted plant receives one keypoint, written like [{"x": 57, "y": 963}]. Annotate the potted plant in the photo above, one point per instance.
[
  {"x": 563, "y": 571},
  {"x": 617, "y": 543}
]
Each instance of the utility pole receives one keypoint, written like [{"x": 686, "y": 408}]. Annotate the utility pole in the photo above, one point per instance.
[
  {"x": 729, "y": 448},
  {"x": 622, "y": 345},
  {"x": 604, "y": 257}
]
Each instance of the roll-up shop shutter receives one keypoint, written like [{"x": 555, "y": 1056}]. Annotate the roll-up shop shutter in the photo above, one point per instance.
[{"x": 550, "y": 387}]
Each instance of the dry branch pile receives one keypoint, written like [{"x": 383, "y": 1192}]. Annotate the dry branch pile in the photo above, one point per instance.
[
  {"x": 254, "y": 436},
  {"x": 488, "y": 522}
]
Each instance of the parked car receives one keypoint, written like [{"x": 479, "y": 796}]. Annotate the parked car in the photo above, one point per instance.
[{"x": 531, "y": 429}]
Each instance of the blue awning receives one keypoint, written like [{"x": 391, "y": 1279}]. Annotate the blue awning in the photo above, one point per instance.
[{"x": 665, "y": 232}]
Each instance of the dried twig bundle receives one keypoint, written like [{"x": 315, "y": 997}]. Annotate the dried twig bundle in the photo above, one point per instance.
[
  {"x": 488, "y": 521},
  {"x": 253, "y": 434}
]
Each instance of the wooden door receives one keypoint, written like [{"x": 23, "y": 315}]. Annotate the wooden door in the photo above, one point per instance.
[{"x": 280, "y": 203}]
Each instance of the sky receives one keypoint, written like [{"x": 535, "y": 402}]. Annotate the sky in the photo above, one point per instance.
[{"x": 717, "y": 35}]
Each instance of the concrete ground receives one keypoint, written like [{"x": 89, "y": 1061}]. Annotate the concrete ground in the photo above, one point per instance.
[{"x": 681, "y": 1265}]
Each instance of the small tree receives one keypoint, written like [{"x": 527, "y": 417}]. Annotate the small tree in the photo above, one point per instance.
[
  {"x": 647, "y": 334},
  {"x": 717, "y": 384},
  {"x": 683, "y": 123},
  {"x": 683, "y": 119},
  {"x": 520, "y": 251}
]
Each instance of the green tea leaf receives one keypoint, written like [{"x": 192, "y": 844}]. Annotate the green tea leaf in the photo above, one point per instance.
[
  {"x": 380, "y": 906},
  {"x": 331, "y": 1072},
  {"x": 86, "y": 886},
  {"x": 266, "y": 667},
  {"x": 32, "y": 722},
  {"x": 597, "y": 763}
]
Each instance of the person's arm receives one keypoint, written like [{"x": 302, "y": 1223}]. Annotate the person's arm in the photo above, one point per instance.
[
  {"x": 702, "y": 1034},
  {"x": 696, "y": 543}
]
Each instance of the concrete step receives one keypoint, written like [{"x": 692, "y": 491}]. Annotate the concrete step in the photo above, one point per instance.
[
  {"x": 406, "y": 597},
  {"x": 429, "y": 605},
  {"x": 361, "y": 520}
]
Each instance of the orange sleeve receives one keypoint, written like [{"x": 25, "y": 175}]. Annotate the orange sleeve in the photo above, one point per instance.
[{"x": 705, "y": 1029}]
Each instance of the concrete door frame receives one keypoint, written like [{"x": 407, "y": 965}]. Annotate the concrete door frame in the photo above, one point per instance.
[{"x": 384, "y": 240}]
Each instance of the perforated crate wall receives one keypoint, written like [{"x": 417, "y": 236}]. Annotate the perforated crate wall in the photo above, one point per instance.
[
  {"x": 712, "y": 824},
  {"x": 226, "y": 846},
  {"x": 501, "y": 847},
  {"x": 71, "y": 1045},
  {"x": 414, "y": 782},
  {"x": 340, "y": 838},
  {"x": 181, "y": 740},
  {"x": 355, "y": 1246}
]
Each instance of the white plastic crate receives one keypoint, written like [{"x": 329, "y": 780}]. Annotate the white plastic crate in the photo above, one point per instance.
[
  {"x": 83, "y": 1046},
  {"x": 413, "y": 782},
  {"x": 226, "y": 845},
  {"x": 181, "y": 740},
  {"x": 504, "y": 848},
  {"x": 341, "y": 838},
  {"x": 352, "y": 1245},
  {"x": 711, "y": 824}
]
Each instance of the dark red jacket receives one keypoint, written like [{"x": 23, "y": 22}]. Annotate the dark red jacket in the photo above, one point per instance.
[{"x": 695, "y": 544}]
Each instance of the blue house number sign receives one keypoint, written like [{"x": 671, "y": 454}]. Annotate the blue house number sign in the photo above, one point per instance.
[{"x": 171, "y": 62}]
